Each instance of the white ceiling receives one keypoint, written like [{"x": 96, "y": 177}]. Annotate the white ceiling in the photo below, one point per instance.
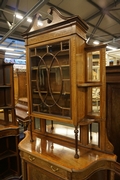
[{"x": 102, "y": 17}]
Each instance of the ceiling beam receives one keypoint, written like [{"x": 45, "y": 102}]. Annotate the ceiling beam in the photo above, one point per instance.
[
  {"x": 34, "y": 9},
  {"x": 102, "y": 30},
  {"x": 14, "y": 17},
  {"x": 10, "y": 43},
  {"x": 101, "y": 10},
  {"x": 3, "y": 4},
  {"x": 96, "y": 27},
  {"x": 17, "y": 34},
  {"x": 113, "y": 17}
]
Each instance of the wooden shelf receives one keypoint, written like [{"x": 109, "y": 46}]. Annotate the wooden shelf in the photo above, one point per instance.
[
  {"x": 88, "y": 120},
  {"x": 90, "y": 84},
  {"x": 7, "y": 154},
  {"x": 10, "y": 175},
  {"x": 7, "y": 107},
  {"x": 5, "y": 86},
  {"x": 48, "y": 67}
]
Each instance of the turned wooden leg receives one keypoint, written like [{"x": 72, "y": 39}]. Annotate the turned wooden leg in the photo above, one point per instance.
[{"x": 76, "y": 143}]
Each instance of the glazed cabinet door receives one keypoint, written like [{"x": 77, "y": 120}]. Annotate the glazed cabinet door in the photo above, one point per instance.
[{"x": 50, "y": 79}]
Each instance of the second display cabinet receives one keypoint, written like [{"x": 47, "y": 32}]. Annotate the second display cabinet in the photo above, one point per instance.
[{"x": 9, "y": 132}]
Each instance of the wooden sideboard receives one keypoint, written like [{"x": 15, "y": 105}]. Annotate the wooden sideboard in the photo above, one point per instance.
[{"x": 46, "y": 159}]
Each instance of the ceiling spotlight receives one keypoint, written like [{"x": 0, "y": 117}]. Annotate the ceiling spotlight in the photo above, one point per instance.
[
  {"x": 39, "y": 23},
  {"x": 19, "y": 16},
  {"x": 96, "y": 42},
  {"x": 110, "y": 47},
  {"x": 6, "y": 48},
  {"x": 13, "y": 54},
  {"x": 29, "y": 20}
]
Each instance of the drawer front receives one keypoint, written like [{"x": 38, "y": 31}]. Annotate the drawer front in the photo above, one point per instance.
[
  {"x": 36, "y": 173},
  {"x": 54, "y": 169},
  {"x": 9, "y": 132}
]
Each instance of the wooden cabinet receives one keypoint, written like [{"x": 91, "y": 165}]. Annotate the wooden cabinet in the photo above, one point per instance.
[
  {"x": 9, "y": 153},
  {"x": 66, "y": 99},
  {"x": 9, "y": 132},
  {"x": 7, "y": 94},
  {"x": 113, "y": 106},
  {"x": 45, "y": 159}
]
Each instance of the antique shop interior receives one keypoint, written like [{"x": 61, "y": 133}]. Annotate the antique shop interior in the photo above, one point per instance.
[{"x": 59, "y": 90}]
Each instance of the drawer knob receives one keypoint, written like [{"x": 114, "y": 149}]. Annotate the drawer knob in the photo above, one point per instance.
[
  {"x": 53, "y": 169},
  {"x": 31, "y": 158}
]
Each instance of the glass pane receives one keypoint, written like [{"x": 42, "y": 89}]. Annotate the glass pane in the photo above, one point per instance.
[
  {"x": 2, "y": 114},
  {"x": 50, "y": 79},
  {"x": 32, "y": 52},
  {"x": 96, "y": 99},
  {"x": 62, "y": 129},
  {"x": 37, "y": 123},
  {"x": 93, "y": 99},
  {"x": 6, "y": 115},
  {"x": 41, "y": 50},
  {"x": 10, "y": 115},
  {"x": 93, "y": 66},
  {"x": 54, "y": 48},
  {"x": 94, "y": 134}
]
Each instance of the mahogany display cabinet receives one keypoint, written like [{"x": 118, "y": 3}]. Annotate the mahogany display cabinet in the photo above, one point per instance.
[{"x": 66, "y": 83}]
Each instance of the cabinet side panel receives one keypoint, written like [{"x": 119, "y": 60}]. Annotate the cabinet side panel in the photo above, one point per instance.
[{"x": 113, "y": 116}]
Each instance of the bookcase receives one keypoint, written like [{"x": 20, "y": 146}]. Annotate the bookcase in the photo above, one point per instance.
[
  {"x": 9, "y": 131},
  {"x": 66, "y": 103},
  {"x": 7, "y": 93}
]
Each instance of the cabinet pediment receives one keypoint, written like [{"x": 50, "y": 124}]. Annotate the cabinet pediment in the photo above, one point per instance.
[{"x": 53, "y": 20}]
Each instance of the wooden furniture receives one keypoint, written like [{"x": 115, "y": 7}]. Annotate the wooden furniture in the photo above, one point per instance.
[
  {"x": 21, "y": 109},
  {"x": 66, "y": 103},
  {"x": 20, "y": 85},
  {"x": 6, "y": 93},
  {"x": 9, "y": 153},
  {"x": 9, "y": 133},
  {"x": 21, "y": 101},
  {"x": 47, "y": 159},
  {"x": 113, "y": 106}
]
